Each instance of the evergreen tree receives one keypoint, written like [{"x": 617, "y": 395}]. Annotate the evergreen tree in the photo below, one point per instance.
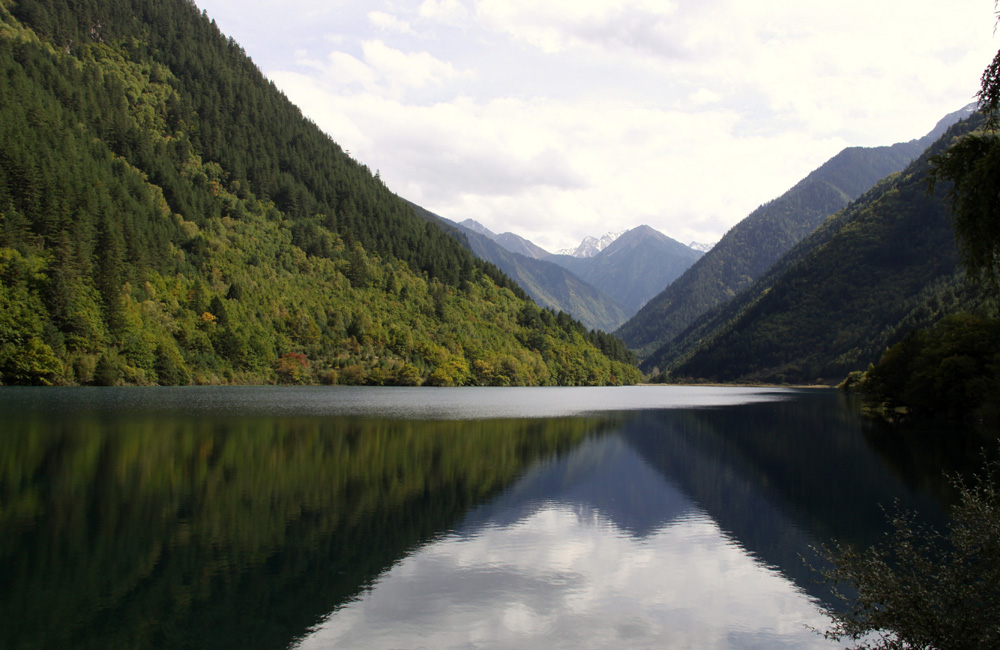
[
  {"x": 167, "y": 216},
  {"x": 972, "y": 166}
]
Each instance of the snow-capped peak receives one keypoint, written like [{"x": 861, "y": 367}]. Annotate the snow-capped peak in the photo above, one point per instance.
[{"x": 591, "y": 246}]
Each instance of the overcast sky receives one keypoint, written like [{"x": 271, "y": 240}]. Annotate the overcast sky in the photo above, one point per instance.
[{"x": 557, "y": 119}]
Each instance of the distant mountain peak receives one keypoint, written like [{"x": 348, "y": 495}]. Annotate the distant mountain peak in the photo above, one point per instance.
[
  {"x": 629, "y": 239},
  {"x": 518, "y": 244},
  {"x": 698, "y": 246},
  {"x": 475, "y": 226},
  {"x": 591, "y": 246},
  {"x": 510, "y": 241},
  {"x": 945, "y": 123}
]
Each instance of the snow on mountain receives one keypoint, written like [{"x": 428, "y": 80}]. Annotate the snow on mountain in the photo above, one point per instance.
[
  {"x": 591, "y": 246},
  {"x": 698, "y": 246}
]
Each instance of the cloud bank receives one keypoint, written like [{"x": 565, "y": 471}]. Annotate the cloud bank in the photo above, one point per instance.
[{"x": 567, "y": 118}]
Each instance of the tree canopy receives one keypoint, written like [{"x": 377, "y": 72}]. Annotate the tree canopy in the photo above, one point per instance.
[
  {"x": 972, "y": 168},
  {"x": 167, "y": 216},
  {"x": 921, "y": 588}
]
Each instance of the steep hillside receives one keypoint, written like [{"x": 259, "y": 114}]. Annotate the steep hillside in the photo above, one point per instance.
[
  {"x": 633, "y": 268},
  {"x": 757, "y": 242},
  {"x": 885, "y": 265},
  {"x": 167, "y": 216}
]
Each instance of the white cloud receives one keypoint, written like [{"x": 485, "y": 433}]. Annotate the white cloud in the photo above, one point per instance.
[
  {"x": 446, "y": 11},
  {"x": 704, "y": 96},
  {"x": 557, "y": 579},
  {"x": 381, "y": 70},
  {"x": 559, "y": 25},
  {"x": 811, "y": 63},
  {"x": 574, "y": 117},
  {"x": 400, "y": 69},
  {"x": 343, "y": 70},
  {"x": 389, "y": 23}
]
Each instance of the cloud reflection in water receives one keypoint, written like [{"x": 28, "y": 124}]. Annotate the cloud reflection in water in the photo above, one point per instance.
[{"x": 546, "y": 566}]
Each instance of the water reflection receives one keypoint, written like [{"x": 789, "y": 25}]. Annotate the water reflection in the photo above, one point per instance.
[
  {"x": 681, "y": 528},
  {"x": 409, "y": 403},
  {"x": 595, "y": 550},
  {"x": 685, "y": 586},
  {"x": 156, "y": 530},
  {"x": 261, "y": 518},
  {"x": 786, "y": 476}
]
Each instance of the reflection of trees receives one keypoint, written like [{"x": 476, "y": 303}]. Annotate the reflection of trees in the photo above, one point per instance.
[
  {"x": 228, "y": 532},
  {"x": 923, "y": 451},
  {"x": 782, "y": 476}
]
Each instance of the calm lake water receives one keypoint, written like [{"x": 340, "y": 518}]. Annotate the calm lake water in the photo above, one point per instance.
[{"x": 642, "y": 517}]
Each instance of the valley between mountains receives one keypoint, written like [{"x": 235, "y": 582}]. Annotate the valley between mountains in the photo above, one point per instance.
[
  {"x": 167, "y": 216},
  {"x": 810, "y": 286}
]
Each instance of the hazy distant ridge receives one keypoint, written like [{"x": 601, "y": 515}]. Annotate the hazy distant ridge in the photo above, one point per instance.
[
  {"x": 601, "y": 289},
  {"x": 633, "y": 268}
]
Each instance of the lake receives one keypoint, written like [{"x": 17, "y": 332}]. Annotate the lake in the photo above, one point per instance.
[{"x": 332, "y": 517}]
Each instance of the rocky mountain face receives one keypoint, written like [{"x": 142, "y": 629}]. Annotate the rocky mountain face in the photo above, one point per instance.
[
  {"x": 510, "y": 241},
  {"x": 548, "y": 284}
]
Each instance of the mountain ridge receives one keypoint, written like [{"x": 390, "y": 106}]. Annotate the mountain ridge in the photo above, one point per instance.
[
  {"x": 548, "y": 284},
  {"x": 883, "y": 266},
  {"x": 616, "y": 285},
  {"x": 591, "y": 246},
  {"x": 750, "y": 247},
  {"x": 654, "y": 261}
]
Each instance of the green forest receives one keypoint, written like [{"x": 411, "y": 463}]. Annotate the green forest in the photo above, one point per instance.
[
  {"x": 882, "y": 267},
  {"x": 760, "y": 240},
  {"x": 168, "y": 217},
  {"x": 952, "y": 368}
]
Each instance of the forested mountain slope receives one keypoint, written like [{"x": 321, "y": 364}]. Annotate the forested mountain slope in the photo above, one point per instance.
[
  {"x": 757, "y": 242},
  {"x": 167, "y": 216},
  {"x": 882, "y": 267}
]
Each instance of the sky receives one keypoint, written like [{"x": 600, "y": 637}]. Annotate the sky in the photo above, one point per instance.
[{"x": 567, "y": 118}]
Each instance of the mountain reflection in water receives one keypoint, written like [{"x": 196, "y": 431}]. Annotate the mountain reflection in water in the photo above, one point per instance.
[
  {"x": 577, "y": 555},
  {"x": 162, "y": 526}
]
